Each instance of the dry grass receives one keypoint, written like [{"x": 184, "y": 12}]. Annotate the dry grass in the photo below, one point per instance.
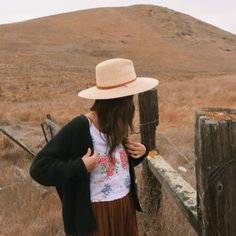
[
  {"x": 25, "y": 208},
  {"x": 24, "y": 203},
  {"x": 37, "y": 213},
  {"x": 170, "y": 221},
  {"x": 34, "y": 213}
]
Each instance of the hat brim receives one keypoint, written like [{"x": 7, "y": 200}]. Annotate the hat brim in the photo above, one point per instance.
[{"x": 141, "y": 84}]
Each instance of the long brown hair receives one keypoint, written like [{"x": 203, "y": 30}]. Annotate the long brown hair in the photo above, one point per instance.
[{"x": 115, "y": 119}]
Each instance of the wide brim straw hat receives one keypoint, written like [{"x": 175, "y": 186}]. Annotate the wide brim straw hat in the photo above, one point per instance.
[{"x": 117, "y": 78}]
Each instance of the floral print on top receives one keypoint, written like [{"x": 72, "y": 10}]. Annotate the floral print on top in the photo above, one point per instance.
[{"x": 110, "y": 179}]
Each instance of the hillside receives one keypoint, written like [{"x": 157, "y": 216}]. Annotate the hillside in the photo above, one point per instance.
[
  {"x": 160, "y": 42},
  {"x": 56, "y": 55}
]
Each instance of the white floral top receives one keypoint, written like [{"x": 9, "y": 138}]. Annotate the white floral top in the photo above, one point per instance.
[{"x": 110, "y": 179}]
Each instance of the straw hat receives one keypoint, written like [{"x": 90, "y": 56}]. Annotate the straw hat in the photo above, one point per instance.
[{"x": 117, "y": 78}]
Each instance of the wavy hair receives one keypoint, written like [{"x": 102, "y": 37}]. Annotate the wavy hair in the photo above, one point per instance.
[{"x": 115, "y": 119}]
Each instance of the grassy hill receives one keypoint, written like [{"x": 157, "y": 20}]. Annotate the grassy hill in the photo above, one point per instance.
[{"x": 159, "y": 41}]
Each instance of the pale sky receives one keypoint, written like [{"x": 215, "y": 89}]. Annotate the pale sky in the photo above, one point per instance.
[{"x": 217, "y": 12}]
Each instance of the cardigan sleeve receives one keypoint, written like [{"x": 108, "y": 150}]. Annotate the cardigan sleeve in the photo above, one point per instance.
[
  {"x": 137, "y": 161},
  {"x": 52, "y": 166}
]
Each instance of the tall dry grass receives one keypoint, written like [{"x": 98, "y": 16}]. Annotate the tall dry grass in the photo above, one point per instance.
[
  {"x": 27, "y": 210},
  {"x": 169, "y": 221}
]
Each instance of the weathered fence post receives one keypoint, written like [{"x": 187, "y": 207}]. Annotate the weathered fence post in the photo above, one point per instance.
[
  {"x": 215, "y": 149},
  {"x": 149, "y": 119},
  {"x": 49, "y": 127}
]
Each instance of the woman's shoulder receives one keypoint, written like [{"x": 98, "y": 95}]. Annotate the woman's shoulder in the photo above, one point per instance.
[
  {"x": 76, "y": 125},
  {"x": 76, "y": 122}
]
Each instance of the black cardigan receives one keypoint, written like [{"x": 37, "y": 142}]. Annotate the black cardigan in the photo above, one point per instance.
[{"x": 59, "y": 164}]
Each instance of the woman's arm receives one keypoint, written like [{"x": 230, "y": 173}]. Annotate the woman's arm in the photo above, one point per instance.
[
  {"x": 137, "y": 151},
  {"x": 52, "y": 166}
]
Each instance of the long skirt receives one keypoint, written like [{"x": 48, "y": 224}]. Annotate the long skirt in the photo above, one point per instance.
[{"x": 115, "y": 218}]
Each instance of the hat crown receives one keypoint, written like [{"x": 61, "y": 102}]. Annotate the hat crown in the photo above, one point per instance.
[{"x": 114, "y": 72}]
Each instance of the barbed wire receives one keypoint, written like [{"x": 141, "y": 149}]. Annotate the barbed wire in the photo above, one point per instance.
[
  {"x": 10, "y": 186},
  {"x": 168, "y": 139},
  {"x": 149, "y": 123},
  {"x": 178, "y": 150}
]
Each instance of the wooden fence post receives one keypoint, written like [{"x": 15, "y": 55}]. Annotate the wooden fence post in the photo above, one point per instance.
[
  {"x": 149, "y": 119},
  {"x": 48, "y": 116},
  {"x": 215, "y": 149}
]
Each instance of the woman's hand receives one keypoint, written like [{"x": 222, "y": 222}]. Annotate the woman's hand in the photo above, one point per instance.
[
  {"x": 135, "y": 149},
  {"x": 90, "y": 162}
]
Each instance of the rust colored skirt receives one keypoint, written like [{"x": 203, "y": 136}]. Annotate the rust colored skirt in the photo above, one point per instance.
[{"x": 115, "y": 218}]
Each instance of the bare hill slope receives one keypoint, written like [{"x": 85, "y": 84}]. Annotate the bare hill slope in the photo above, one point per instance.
[{"x": 160, "y": 42}]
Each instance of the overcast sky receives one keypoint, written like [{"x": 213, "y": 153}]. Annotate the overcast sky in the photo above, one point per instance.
[{"x": 221, "y": 13}]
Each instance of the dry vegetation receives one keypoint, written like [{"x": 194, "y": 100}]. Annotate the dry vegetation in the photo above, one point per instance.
[
  {"x": 45, "y": 62},
  {"x": 26, "y": 208}
]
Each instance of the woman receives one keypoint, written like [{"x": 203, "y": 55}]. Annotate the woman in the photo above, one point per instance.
[{"x": 91, "y": 160}]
